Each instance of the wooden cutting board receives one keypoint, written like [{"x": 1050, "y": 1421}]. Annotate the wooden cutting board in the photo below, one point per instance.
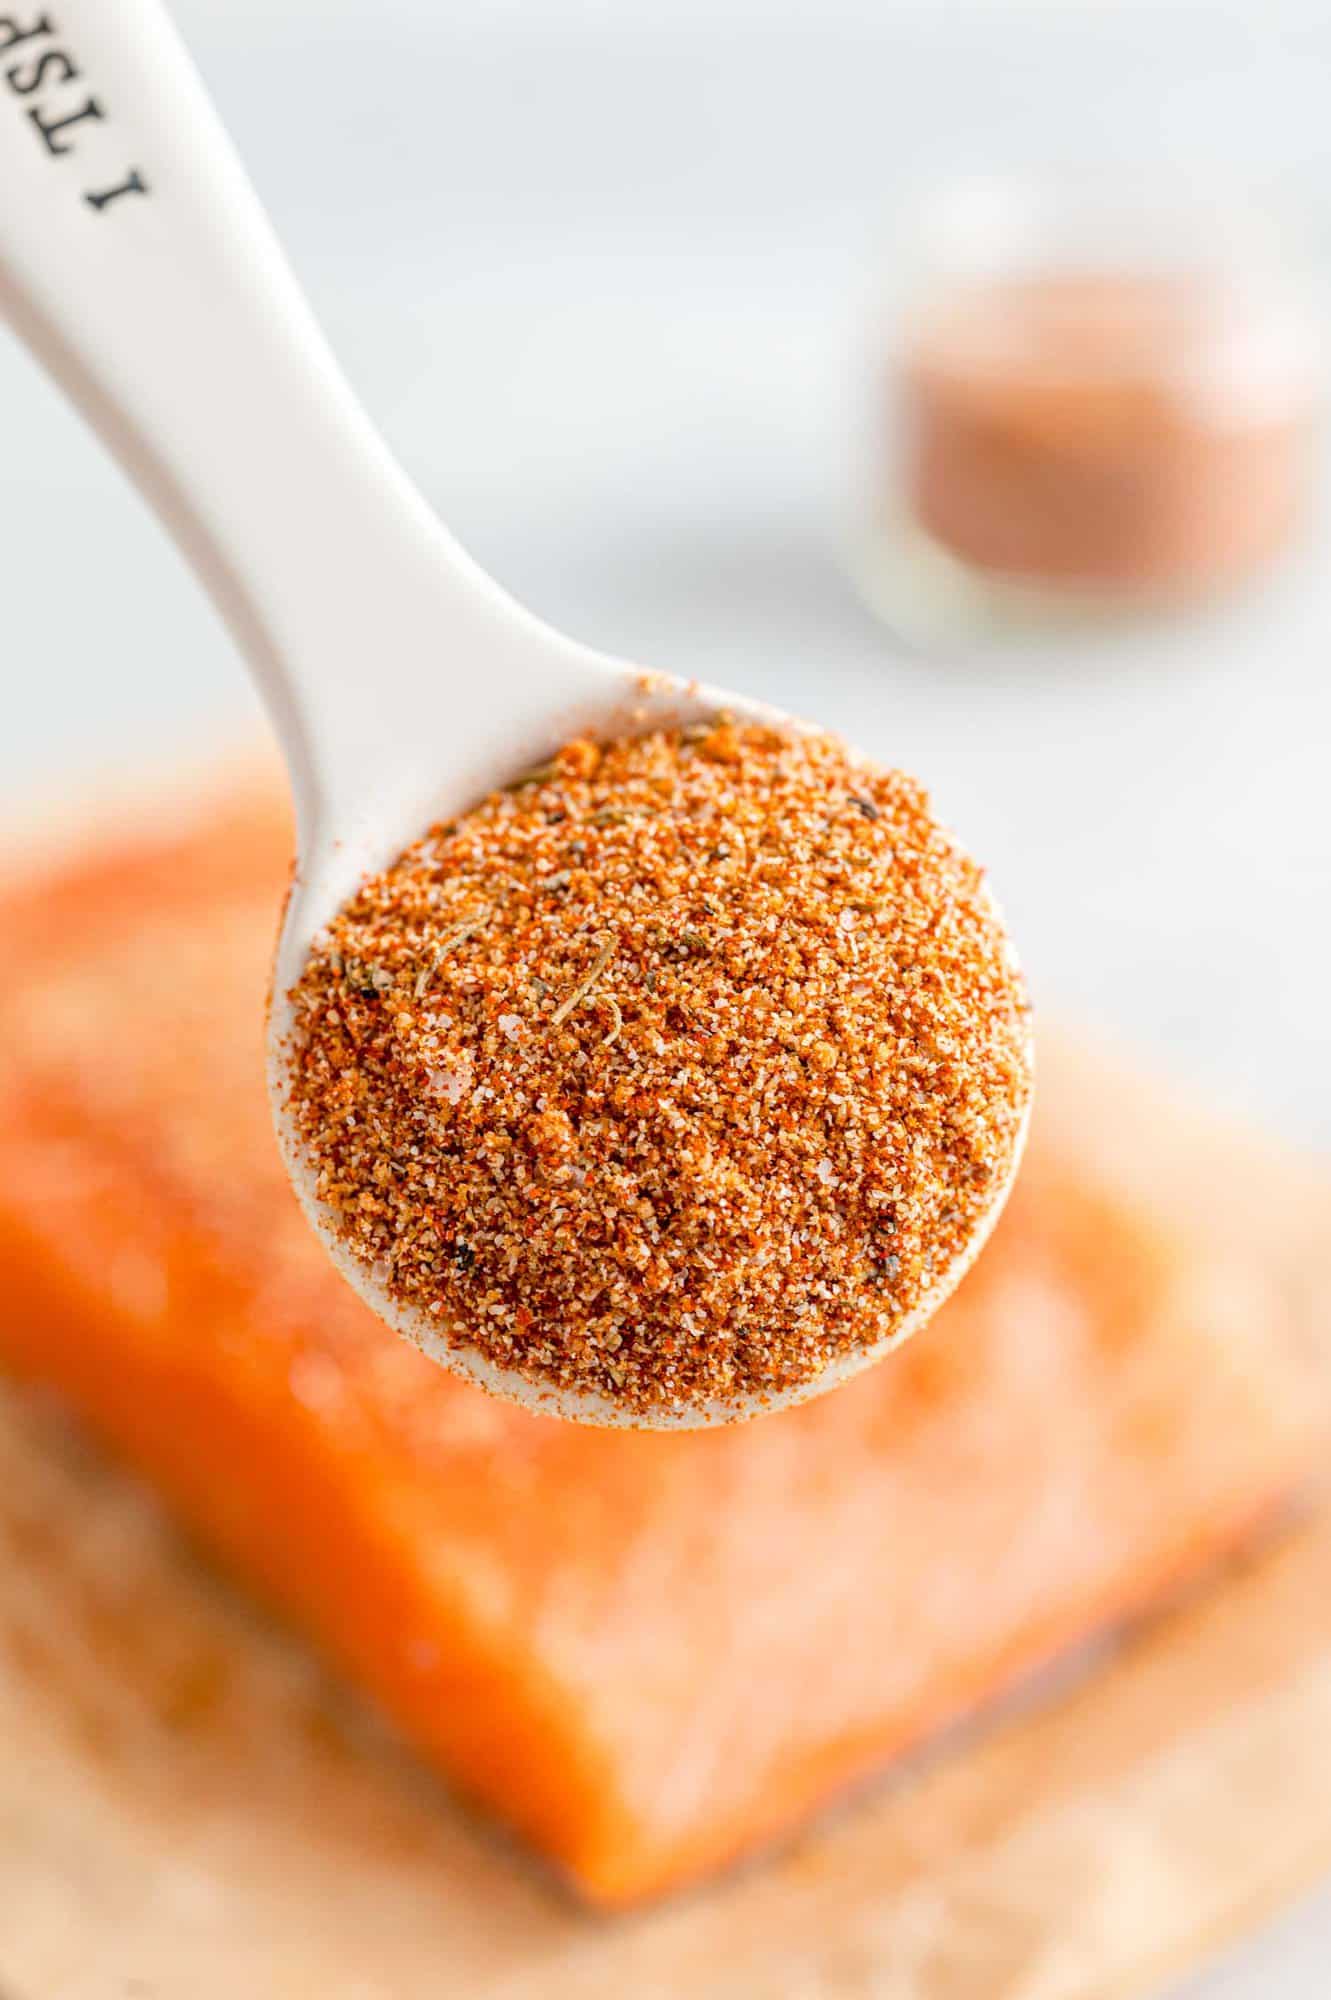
[{"x": 191, "y": 1810}]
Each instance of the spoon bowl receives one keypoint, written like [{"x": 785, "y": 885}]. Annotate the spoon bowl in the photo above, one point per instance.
[
  {"x": 602, "y": 698},
  {"x": 402, "y": 682}
]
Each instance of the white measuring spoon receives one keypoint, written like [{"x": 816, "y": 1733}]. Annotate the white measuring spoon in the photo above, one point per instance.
[{"x": 403, "y": 684}]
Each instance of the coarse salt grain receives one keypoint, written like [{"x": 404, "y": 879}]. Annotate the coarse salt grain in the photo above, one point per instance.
[{"x": 449, "y": 1080}]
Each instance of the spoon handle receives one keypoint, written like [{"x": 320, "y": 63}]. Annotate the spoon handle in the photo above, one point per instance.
[{"x": 138, "y": 266}]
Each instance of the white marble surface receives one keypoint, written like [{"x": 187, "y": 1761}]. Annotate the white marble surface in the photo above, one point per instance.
[{"x": 600, "y": 272}]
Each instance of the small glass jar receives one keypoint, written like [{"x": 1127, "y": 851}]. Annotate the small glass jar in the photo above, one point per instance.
[{"x": 1099, "y": 399}]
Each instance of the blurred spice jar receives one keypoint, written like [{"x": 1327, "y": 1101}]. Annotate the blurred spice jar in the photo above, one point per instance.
[{"x": 1101, "y": 398}]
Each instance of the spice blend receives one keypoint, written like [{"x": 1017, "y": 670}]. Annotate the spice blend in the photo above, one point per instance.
[
  {"x": 673, "y": 1073},
  {"x": 1105, "y": 434}
]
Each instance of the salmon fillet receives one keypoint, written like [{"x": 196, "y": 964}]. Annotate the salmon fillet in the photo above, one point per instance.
[{"x": 645, "y": 1653}]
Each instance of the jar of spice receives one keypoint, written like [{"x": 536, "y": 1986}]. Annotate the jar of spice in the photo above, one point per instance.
[{"x": 1097, "y": 400}]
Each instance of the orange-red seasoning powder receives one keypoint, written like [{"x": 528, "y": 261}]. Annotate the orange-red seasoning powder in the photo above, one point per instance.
[{"x": 673, "y": 1072}]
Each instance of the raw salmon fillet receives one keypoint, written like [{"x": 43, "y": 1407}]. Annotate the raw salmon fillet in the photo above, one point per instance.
[{"x": 647, "y": 1654}]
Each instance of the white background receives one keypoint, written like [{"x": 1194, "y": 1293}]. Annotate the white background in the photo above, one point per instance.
[{"x": 601, "y": 271}]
